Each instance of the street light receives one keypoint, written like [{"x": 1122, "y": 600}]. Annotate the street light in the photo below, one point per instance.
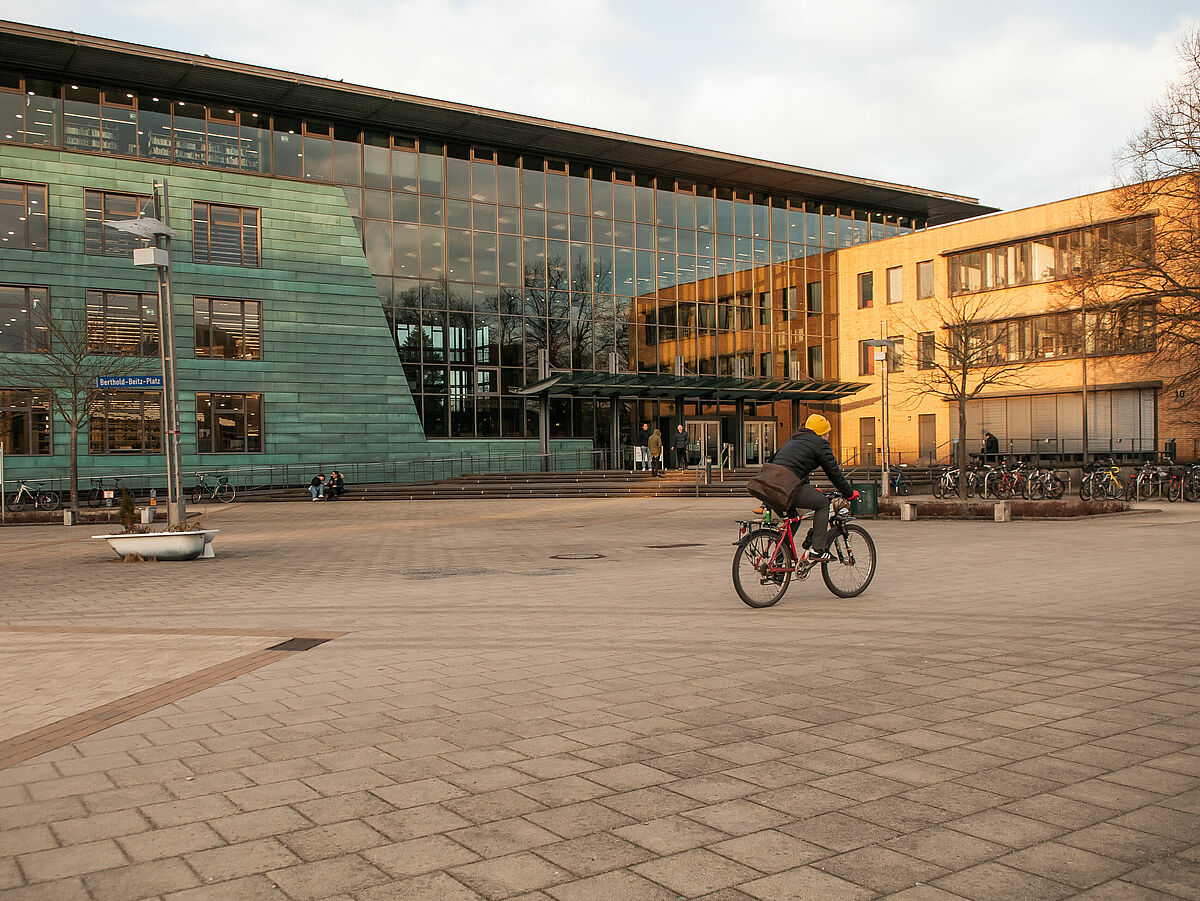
[
  {"x": 883, "y": 347},
  {"x": 158, "y": 230}
]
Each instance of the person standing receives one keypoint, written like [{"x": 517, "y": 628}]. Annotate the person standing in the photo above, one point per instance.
[
  {"x": 655, "y": 446},
  {"x": 641, "y": 452},
  {"x": 680, "y": 443}
]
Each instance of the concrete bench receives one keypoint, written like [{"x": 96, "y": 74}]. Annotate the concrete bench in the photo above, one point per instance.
[{"x": 1002, "y": 511}]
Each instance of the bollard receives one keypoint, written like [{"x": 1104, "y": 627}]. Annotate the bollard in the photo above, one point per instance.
[
  {"x": 147, "y": 515},
  {"x": 68, "y": 517},
  {"x": 1004, "y": 511},
  {"x": 908, "y": 511}
]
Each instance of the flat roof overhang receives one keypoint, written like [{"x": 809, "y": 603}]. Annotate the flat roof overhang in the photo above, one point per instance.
[
  {"x": 64, "y": 55},
  {"x": 701, "y": 387}
]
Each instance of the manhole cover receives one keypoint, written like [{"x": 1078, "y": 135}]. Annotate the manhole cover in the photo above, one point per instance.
[
  {"x": 298, "y": 644},
  {"x": 576, "y": 556},
  {"x": 659, "y": 547}
]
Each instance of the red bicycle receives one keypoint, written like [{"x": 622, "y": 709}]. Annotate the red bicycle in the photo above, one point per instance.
[{"x": 767, "y": 557}]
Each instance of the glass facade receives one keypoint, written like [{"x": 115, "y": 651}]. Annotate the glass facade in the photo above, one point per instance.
[{"x": 484, "y": 257}]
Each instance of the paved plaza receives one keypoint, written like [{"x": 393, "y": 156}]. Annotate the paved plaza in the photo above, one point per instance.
[{"x": 1011, "y": 711}]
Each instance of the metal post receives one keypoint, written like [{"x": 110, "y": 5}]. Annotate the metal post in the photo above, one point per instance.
[
  {"x": 2, "y": 501},
  {"x": 176, "y": 512},
  {"x": 1083, "y": 363}
]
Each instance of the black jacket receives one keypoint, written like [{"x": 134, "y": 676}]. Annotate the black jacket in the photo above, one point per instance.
[
  {"x": 680, "y": 441},
  {"x": 807, "y": 451},
  {"x": 643, "y": 437}
]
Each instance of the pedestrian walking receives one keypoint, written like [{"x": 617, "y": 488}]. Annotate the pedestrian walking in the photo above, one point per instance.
[
  {"x": 680, "y": 443},
  {"x": 655, "y": 446}
]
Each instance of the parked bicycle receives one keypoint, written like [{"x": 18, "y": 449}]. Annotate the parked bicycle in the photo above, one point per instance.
[
  {"x": 41, "y": 498},
  {"x": 1101, "y": 480},
  {"x": 96, "y": 496},
  {"x": 222, "y": 491},
  {"x": 1043, "y": 484},
  {"x": 898, "y": 480},
  {"x": 767, "y": 557}
]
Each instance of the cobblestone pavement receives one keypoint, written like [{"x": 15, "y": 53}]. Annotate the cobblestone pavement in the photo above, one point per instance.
[{"x": 1012, "y": 711}]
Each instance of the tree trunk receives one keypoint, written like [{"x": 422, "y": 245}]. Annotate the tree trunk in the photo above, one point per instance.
[
  {"x": 74, "y": 467},
  {"x": 962, "y": 448}
]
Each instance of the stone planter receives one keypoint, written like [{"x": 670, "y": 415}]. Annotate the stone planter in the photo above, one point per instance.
[{"x": 160, "y": 545}]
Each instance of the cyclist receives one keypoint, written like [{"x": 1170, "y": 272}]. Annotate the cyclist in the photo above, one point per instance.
[{"x": 803, "y": 453}]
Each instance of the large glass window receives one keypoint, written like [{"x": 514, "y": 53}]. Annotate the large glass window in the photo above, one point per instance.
[
  {"x": 24, "y": 422},
  {"x": 23, "y": 216},
  {"x": 228, "y": 329},
  {"x": 102, "y": 207},
  {"x": 122, "y": 323},
  {"x": 24, "y": 319},
  {"x": 126, "y": 422},
  {"x": 1052, "y": 257},
  {"x": 229, "y": 423},
  {"x": 224, "y": 234}
]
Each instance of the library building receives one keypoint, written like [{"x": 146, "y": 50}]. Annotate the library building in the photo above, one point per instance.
[{"x": 364, "y": 276}]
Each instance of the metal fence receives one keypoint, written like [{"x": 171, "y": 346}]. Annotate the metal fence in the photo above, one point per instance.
[{"x": 295, "y": 475}]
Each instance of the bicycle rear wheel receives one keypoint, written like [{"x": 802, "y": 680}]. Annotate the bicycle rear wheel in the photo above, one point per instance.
[
  {"x": 939, "y": 487},
  {"x": 755, "y": 586},
  {"x": 47, "y": 500},
  {"x": 1085, "y": 488},
  {"x": 95, "y": 497},
  {"x": 1191, "y": 489},
  {"x": 225, "y": 493},
  {"x": 1055, "y": 487},
  {"x": 849, "y": 575},
  {"x": 198, "y": 494}
]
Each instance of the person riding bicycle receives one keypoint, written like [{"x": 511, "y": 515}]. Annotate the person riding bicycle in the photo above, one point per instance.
[{"x": 803, "y": 453}]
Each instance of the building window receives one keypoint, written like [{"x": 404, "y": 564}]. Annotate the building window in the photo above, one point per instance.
[
  {"x": 816, "y": 364},
  {"x": 925, "y": 280},
  {"x": 895, "y": 284},
  {"x": 866, "y": 290},
  {"x": 224, "y": 234},
  {"x": 229, "y": 423},
  {"x": 926, "y": 347},
  {"x": 764, "y": 308},
  {"x": 866, "y": 358},
  {"x": 24, "y": 423},
  {"x": 126, "y": 422},
  {"x": 122, "y": 324},
  {"x": 1048, "y": 258},
  {"x": 101, "y": 207},
  {"x": 813, "y": 290},
  {"x": 23, "y": 216},
  {"x": 24, "y": 319},
  {"x": 896, "y": 354},
  {"x": 228, "y": 329}
]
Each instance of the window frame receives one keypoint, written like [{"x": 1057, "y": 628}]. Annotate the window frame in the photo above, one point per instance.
[
  {"x": 898, "y": 295},
  {"x": 27, "y": 215},
  {"x": 122, "y": 243},
  {"x": 197, "y": 300},
  {"x": 866, "y": 290},
  {"x": 31, "y": 328},
  {"x": 925, "y": 267},
  {"x": 103, "y": 349},
  {"x": 866, "y": 358},
  {"x": 99, "y": 419},
  {"x": 34, "y": 411},
  {"x": 207, "y": 257},
  {"x": 245, "y": 415},
  {"x": 926, "y": 350}
]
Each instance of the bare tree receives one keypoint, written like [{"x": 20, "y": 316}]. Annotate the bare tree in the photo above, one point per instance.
[
  {"x": 963, "y": 349},
  {"x": 66, "y": 370},
  {"x": 1142, "y": 259}
]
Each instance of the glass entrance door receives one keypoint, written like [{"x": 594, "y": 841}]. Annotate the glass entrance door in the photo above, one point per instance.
[
  {"x": 704, "y": 440},
  {"x": 759, "y": 442}
]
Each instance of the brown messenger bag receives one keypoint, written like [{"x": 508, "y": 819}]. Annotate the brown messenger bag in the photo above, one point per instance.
[{"x": 775, "y": 486}]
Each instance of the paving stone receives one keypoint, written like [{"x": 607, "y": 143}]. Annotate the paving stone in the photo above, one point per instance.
[
  {"x": 418, "y": 855},
  {"x": 430, "y": 887},
  {"x": 323, "y": 878},
  {"x": 807, "y": 883},
  {"x": 595, "y": 853},
  {"x": 503, "y": 877},
  {"x": 695, "y": 872},
  {"x": 140, "y": 880},
  {"x": 173, "y": 841},
  {"x": 76, "y": 860},
  {"x": 618, "y": 885},
  {"x": 989, "y": 881}
]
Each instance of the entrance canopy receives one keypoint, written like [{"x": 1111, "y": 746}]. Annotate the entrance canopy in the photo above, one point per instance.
[{"x": 701, "y": 387}]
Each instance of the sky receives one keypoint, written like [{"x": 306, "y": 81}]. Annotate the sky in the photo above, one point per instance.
[{"x": 1013, "y": 103}]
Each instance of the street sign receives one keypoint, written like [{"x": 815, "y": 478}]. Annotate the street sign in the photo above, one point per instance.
[{"x": 129, "y": 381}]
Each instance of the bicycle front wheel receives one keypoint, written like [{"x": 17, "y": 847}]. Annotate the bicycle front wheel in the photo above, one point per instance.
[
  {"x": 95, "y": 497},
  {"x": 47, "y": 500},
  {"x": 225, "y": 493},
  {"x": 849, "y": 575},
  {"x": 755, "y": 585},
  {"x": 1175, "y": 490},
  {"x": 1085, "y": 488},
  {"x": 1055, "y": 488},
  {"x": 15, "y": 503},
  {"x": 1191, "y": 489}
]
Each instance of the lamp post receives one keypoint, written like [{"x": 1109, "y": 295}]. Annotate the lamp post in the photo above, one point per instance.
[
  {"x": 156, "y": 228},
  {"x": 883, "y": 347}
]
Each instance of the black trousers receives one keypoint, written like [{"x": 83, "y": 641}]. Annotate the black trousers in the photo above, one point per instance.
[
  {"x": 809, "y": 498},
  {"x": 681, "y": 458}
]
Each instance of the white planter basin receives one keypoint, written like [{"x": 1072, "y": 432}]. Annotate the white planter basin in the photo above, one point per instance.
[
  {"x": 160, "y": 545},
  {"x": 209, "y": 535}
]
